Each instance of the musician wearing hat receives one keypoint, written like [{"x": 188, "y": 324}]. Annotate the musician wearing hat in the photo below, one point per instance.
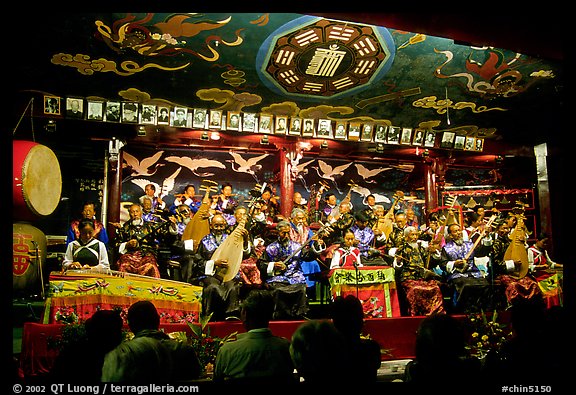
[
  {"x": 507, "y": 270},
  {"x": 221, "y": 299},
  {"x": 281, "y": 269}
]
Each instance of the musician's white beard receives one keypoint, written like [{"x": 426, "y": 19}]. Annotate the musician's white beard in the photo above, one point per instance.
[{"x": 137, "y": 222}]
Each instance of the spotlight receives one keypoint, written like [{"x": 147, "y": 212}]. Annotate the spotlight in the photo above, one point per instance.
[
  {"x": 264, "y": 140},
  {"x": 380, "y": 148},
  {"x": 50, "y": 126},
  {"x": 215, "y": 136},
  {"x": 324, "y": 144},
  {"x": 204, "y": 136},
  {"x": 425, "y": 153},
  {"x": 141, "y": 131}
]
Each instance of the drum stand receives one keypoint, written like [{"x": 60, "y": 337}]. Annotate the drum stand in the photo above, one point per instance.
[{"x": 37, "y": 256}]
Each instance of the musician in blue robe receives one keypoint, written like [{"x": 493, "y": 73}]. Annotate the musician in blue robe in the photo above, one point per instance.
[
  {"x": 286, "y": 280},
  {"x": 457, "y": 262},
  {"x": 221, "y": 299}
]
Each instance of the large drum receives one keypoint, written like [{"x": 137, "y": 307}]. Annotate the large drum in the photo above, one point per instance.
[
  {"x": 28, "y": 259},
  {"x": 37, "y": 181}
]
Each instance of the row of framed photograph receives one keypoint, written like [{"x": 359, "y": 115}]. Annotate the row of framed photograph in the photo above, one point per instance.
[{"x": 149, "y": 114}]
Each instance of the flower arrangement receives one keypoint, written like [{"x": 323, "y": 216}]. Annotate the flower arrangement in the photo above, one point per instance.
[
  {"x": 206, "y": 346},
  {"x": 485, "y": 334}
]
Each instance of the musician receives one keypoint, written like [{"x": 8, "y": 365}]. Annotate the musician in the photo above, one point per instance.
[
  {"x": 343, "y": 222},
  {"x": 187, "y": 197},
  {"x": 180, "y": 251},
  {"x": 225, "y": 204},
  {"x": 88, "y": 212},
  {"x": 86, "y": 252},
  {"x": 327, "y": 207},
  {"x": 506, "y": 270},
  {"x": 301, "y": 233},
  {"x": 411, "y": 219},
  {"x": 285, "y": 279},
  {"x": 221, "y": 299},
  {"x": 148, "y": 213},
  {"x": 137, "y": 242},
  {"x": 457, "y": 262},
  {"x": 249, "y": 274},
  {"x": 298, "y": 201},
  {"x": 396, "y": 236},
  {"x": 544, "y": 268},
  {"x": 420, "y": 287},
  {"x": 370, "y": 211},
  {"x": 270, "y": 205},
  {"x": 348, "y": 255},
  {"x": 365, "y": 236},
  {"x": 150, "y": 192}
]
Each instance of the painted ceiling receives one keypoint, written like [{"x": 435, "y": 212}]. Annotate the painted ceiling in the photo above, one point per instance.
[{"x": 293, "y": 65}]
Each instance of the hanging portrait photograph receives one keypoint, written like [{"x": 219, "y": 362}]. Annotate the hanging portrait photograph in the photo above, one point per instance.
[
  {"x": 393, "y": 135},
  {"x": 308, "y": 129},
  {"x": 354, "y": 131},
  {"x": 233, "y": 120},
  {"x": 129, "y": 112},
  {"x": 367, "y": 131},
  {"x": 52, "y": 105},
  {"x": 406, "y": 137},
  {"x": 249, "y": 121},
  {"x": 459, "y": 142},
  {"x": 380, "y": 133},
  {"x": 95, "y": 110},
  {"x": 265, "y": 125},
  {"x": 295, "y": 127},
  {"x": 470, "y": 144},
  {"x": 479, "y": 145},
  {"x": 148, "y": 114},
  {"x": 112, "y": 113},
  {"x": 447, "y": 140},
  {"x": 215, "y": 119},
  {"x": 430, "y": 139},
  {"x": 418, "y": 138},
  {"x": 324, "y": 128},
  {"x": 163, "y": 116},
  {"x": 199, "y": 118},
  {"x": 340, "y": 130},
  {"x": 75, "y": 107},
  {"x": 281, "y": 125}
]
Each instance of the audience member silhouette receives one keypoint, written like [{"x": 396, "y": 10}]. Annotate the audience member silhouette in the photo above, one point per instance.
[
  {"x": 440, "y": 352},
  {"x": 348, "y": 318},
  {"x": 257, "y": 356},
  {"x": 81, "y": 361},
  {"x": 144, "y": 321},
  {"x": 316, "y": 349}
]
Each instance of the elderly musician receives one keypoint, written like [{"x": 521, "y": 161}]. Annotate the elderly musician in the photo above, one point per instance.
[
  {"x": 419, "y": 285},
  {"x": 221, "y": 299},
  {"x": 281, "y": 269},
  {"x": 137, "y": 242}
]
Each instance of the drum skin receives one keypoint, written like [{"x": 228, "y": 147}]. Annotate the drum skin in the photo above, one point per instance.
[
  {"x": 37, "y": 181},
  {"x": 26, "y": 260}
]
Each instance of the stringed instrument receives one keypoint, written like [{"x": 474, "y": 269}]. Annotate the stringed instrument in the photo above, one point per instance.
[
  {"x": 231, "y": 249},
  {"x": 387, "y": 224},
  {"x": 517, "y": 251},
  {"x": 451, "y": 200},
  {"x": 469, "y": 254},
  {"x": 315, "y": 195},
  {"x": 199, "y": 225},
  {"x": 335, "y": 213}
]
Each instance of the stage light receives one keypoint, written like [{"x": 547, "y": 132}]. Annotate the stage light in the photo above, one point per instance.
[
  {"x": 204, "y": 136},
  {"x": 264, "y": 140},
  {"x": 380, "y": 148},
  {"x": 215, "y": 136},
  {"x": 141, "y": 131},
  {"x": 50, "y": 126},
  {"x": 324, "y": 144}
]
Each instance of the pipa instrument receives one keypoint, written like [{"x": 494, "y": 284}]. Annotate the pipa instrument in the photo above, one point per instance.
[
  {"x": 199, "y": 225},
  {"x": 387, "y": 223},
  {"x": 517, "y": 251}
]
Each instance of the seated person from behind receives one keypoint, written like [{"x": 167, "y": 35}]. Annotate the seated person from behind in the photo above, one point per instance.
[
  {"x": 86, "y": 252},
  {"x": 257, "y": 354}
]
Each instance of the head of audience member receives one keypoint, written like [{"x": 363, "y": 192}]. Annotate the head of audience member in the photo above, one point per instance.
[
  {"x": 257, "y": 309},
  {"x": 104, "y": 329},
  {"x": 348, "y": 315},
  {"x": 142, "y": 315},
  {"x": 140, "y": 360},
  {"x": 439, "y": 338},
  {"x": 315, "y": 346}
]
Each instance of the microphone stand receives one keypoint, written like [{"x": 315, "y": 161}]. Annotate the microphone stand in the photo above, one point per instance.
[
  {"x": 357, "y": 274},
  {"x": 37, "y": 256}
]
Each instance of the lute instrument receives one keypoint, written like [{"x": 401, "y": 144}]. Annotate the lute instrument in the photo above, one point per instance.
[
  {"x": 469, "y": 254},
  {"x": 387, "y": 224},
  {"x": 451, "y": 200},
  {"x": 199, "y": 225},
  {"x": 517, "y": 251}
]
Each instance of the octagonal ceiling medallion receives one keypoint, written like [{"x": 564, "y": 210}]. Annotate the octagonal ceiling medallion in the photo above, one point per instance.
[{"x": 314, "y": 58}]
